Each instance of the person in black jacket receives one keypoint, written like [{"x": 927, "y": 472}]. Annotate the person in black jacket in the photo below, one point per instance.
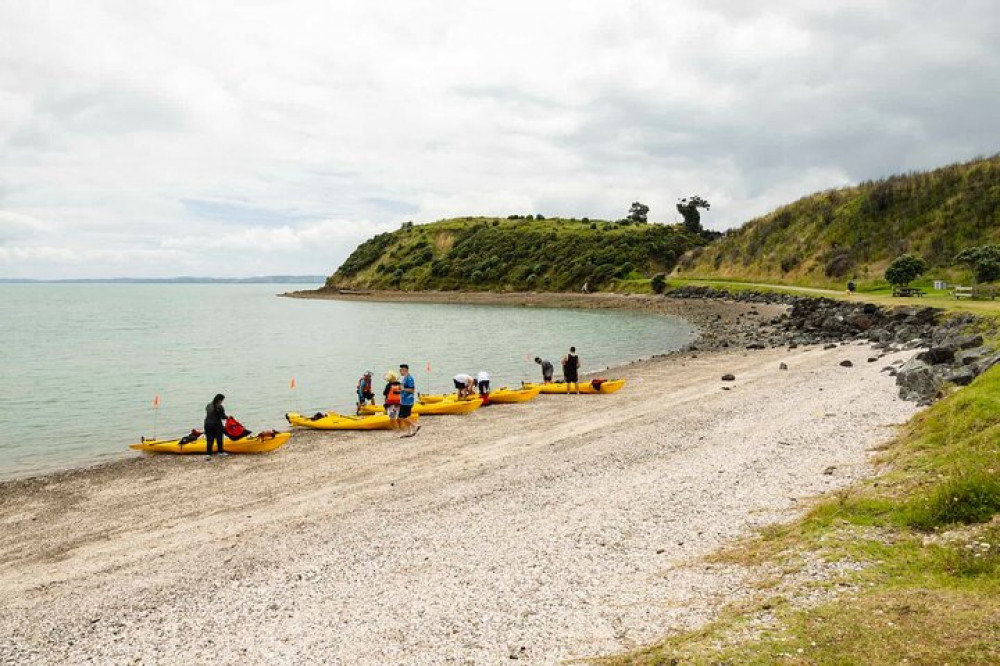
[
  {"x": 215, "y": 418},
  {"x": 571, "y": 370}
]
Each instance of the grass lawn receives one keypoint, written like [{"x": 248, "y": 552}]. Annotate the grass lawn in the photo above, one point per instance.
[{"x": 880, "y": 295}]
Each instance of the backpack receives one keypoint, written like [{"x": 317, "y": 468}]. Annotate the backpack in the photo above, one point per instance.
[{"x": 234, "y": 429}]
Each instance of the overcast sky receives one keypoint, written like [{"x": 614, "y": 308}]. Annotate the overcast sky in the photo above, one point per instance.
[{"x": 256, "y": 137}]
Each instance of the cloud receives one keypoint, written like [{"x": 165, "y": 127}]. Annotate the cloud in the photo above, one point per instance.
[{"x": 155, "y": 136}]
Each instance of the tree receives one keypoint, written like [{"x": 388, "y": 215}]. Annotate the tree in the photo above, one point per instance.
[
  {"x": 688, "y": 208},
  {"x": 638, "y": 212},
  {"x": 904, "y": 270},
  {"x": 983, "y": 260}
]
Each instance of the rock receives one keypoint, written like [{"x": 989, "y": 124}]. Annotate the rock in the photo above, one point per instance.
[
  {"x": 965, "y": 342},
  {"x": 832, "y": 345},
  {"x": 917, "y": 381},
  {"x": 961, "y": 377},
  {"x": 937, "y": 355},
  {"x": 847, "y": 364},
  {"x": 970, "y": 356},
  {"x": 830, "y": 470},
  {"x": 728, "y": 378},
  {"x": 872, "y": 359},
  {"x": 782, "y": 366}
]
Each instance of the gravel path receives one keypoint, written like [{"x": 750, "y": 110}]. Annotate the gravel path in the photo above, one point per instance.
[{"x": 564, "y": 528}]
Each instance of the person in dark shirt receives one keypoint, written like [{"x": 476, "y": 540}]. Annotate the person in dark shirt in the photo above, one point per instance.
[
  {"x": 215, "y": 418},
  {"x": 547, "y": 369},
  {"x": 571, "y": 370}
]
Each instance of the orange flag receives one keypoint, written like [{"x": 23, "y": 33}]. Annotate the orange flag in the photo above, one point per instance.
[
  {"x": 156, "y": 401},
  {"x": 293, "y": 382},
  {"x": 428, "y": 367}
]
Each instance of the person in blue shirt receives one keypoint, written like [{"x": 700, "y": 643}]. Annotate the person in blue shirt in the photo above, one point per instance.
[{"x": 408, "y": 396}]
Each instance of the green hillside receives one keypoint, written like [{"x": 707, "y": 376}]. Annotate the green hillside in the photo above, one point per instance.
[
  {"x": 516, "y": 253},
  {"x": 854, "y": 232}
]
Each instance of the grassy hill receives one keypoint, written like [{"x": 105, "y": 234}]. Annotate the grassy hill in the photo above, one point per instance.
[
  {"x": 516, "y": 253},
  {"x": 826, "y": 238}
]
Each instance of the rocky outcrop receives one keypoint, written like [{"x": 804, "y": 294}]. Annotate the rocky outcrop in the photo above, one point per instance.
[{"x": 949, "y": 353}]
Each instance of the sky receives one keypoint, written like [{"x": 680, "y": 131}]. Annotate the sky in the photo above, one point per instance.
[{"x": 238, "y": 138}]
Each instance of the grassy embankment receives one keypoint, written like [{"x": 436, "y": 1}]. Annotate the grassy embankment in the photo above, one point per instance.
[
  {"x": 481, "y": 254},
  {"x": 824, "y": 239},
  {"x": 918, "y": 550}
]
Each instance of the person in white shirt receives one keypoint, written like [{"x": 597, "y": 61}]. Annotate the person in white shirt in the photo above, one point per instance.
[
  {"x": 483, "y": 382},
  {"x": 465, "y": 384}
]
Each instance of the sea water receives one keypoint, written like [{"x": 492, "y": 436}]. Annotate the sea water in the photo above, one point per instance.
[{"x": 86, "y": 369}]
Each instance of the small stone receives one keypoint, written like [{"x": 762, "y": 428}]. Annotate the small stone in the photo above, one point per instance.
[
  {"x": 872, "y": 359},
  {"x": 830, "y": 470},
  {"x": 782, "y": 366},
  {"x": 847, "y": 364},
  {"x": 728, "y": 378}
]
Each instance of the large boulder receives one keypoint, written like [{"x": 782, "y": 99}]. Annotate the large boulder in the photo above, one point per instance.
[
  {"x": 917, "y": 381},
  {"x": 937, "y": 355}
]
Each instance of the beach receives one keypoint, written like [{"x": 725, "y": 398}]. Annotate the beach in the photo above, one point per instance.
[{"x": 568, "y": 527}]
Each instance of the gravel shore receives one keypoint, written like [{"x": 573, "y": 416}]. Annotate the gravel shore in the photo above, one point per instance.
[{"x": 563, "y": 528}]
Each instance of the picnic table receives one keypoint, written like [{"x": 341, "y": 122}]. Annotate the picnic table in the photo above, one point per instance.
[{"x": 907, "y": 291}]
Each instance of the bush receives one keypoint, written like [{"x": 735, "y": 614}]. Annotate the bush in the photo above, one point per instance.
[
  {"x": 966, "y": 499},
  {"x": 984, "y": 260},
  {"x": 904, "y": 270},
  {"x": 658, "y": 283}
]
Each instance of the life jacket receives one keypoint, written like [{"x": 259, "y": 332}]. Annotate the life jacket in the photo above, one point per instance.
[
  {"x": 234, "y": 429},
  {"x": 365, "y": 384},
  {"x": 395, "y": 391},
  {"x": 596, "y": 383},
  {"x": 190, "y": 437}
]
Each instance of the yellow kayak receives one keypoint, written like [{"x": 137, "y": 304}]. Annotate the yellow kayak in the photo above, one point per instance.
[
  {"x": 445, "y": 406},
  {"x": 257, "y": 444},
  {"x": 334, "y": 421},
  {"x": 506, "y": 396},
  {"x": 609, "y": 386}
]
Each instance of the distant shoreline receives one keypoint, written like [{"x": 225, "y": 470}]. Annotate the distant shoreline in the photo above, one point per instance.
[
  {"x": 713, "y": 315},
  {"x": 262, "y": 279}
]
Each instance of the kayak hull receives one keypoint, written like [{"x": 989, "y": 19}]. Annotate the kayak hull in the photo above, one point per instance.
[
  {"x": 255, "y": 444},
  {"x": 440, "y": 408},
  {"x": 334, "y": 421},
  {"x": 609, "y": 386},
  {"x": 506, "y": 396}
]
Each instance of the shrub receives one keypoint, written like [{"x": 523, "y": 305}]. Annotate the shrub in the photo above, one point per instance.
[
  {"x": 904, "y": 269},
  {"x": 965, "y": 499}
]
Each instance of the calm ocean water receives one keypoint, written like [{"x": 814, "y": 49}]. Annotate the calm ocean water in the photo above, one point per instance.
[{"x": 81, "y": 364}]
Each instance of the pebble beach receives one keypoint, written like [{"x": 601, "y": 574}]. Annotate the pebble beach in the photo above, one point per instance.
[{"x": 565, "y": 528}]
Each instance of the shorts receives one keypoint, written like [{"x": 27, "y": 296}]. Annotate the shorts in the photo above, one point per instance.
[
  {"x": 392, "y": 411},
  {"x": 404, "y": 411},
  {"x": 571, "y": 377},
  {"x": 362, "y": 396},
  {"x": 484, "y": 387},
  {"x": 459, "y": 385}
]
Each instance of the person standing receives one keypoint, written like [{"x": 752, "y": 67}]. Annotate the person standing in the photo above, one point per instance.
[
  {"x": 483, "y": 383},
  {"x": 465, "y": 384},
  {"x": 215, "y": 419},
  {"x": 571, "y": 370},
  {"x": 391, "y": 393},
  {"x": 547, "y": 369},
  {"x": 407, "y": 396}
]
